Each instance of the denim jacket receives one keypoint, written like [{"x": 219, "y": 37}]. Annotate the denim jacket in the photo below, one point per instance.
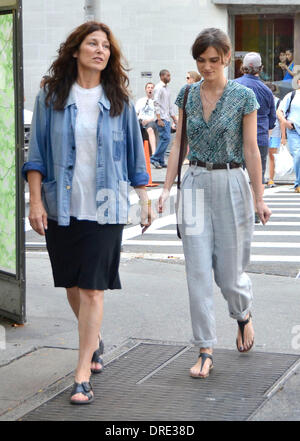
[{"x": 120, "y": 158}]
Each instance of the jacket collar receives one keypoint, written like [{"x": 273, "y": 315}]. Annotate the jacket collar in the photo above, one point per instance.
[
  {"x": 104, "y": 101},
  {"x": 253, "y": 77}
]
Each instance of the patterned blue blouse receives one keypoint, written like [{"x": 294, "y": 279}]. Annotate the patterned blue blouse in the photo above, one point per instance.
[{"x": 219, "y": 140}]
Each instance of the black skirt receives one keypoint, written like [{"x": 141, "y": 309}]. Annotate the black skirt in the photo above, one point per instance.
[{"x": 85, "y": 254}]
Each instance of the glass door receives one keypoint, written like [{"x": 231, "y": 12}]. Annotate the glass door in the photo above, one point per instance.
[{"x": 266, "y": 34}]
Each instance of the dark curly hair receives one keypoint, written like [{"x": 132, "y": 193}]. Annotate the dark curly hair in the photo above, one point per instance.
[{"x": 63, "y": 71}]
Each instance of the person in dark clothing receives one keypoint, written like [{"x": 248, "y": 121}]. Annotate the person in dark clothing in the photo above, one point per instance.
[{"x": 266, "y": 114}]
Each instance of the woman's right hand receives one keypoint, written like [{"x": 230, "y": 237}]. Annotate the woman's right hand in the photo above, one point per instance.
[
  {"x": 162, "y": 199},
  {"x": 38, "y": 217}
]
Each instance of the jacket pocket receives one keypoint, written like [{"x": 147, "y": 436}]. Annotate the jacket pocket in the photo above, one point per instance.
[
  {"x": 118, "y": 144},
  {"x": 49, "y": 192}
]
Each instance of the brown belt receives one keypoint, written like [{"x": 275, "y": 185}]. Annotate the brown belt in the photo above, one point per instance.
[{"x": 212, "y": 166}]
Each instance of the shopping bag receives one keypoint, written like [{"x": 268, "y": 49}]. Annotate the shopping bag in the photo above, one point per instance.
[{"x": 284, "y": 163}]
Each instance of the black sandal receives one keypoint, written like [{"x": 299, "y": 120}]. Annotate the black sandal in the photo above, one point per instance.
[
  {"x": 204, "y": 356},
  {"x": 84, "y": 388},
  {"x": 242, "y": 325},
  {"x": 97, "y": 358}
]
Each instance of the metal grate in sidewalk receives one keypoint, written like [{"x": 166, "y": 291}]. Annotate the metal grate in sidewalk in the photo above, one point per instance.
[{"x": 151, "y": 382}]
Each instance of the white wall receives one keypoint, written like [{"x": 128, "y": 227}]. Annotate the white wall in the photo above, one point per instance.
[
  {"x": 46, "y": 23},
  {"x": 158, "y": 34},
  {"x": 153, "y": 34}
]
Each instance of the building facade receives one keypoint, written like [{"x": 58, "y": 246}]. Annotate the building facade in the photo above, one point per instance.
[{"x": 158, "y": 34}]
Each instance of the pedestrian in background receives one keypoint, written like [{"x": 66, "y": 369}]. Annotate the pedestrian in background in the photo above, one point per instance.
[
  {"x": 192, "y": 77},
  {"x": 280, "y": 68},
  {"x": 164, "y": 112},
  {"x": 266, "y": 114},
  {"x": 85, "y": 146},
  {"x": 289, "y": 68},
  {"x": 276, "y": 137},
  {"x": 146, "y": 115},
  {"x": 221, "y": 132},
  {"x": 289, "y": 115}
]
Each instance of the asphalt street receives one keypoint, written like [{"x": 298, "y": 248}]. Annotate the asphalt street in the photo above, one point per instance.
[{"x": 275, "y": 246}]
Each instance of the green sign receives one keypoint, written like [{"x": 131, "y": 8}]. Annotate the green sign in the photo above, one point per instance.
[{"x": 7, "y": 148}]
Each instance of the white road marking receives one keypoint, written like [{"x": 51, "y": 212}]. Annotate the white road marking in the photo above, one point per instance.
[
  {"x": 177, "y": 243},
  {"x": 131, "y": 232},
  {"x": 180, "y": 257},
  {"x": 284, "y": 215}
]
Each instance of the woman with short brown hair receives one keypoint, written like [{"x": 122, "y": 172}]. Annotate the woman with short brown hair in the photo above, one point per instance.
[{"x": 216, "y": 215}]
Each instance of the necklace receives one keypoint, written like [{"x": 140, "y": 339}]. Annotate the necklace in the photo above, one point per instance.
[{"x": 212, "y": 103}]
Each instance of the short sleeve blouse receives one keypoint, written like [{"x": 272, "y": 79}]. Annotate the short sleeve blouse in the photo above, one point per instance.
[{"x": 219, "y": 140}]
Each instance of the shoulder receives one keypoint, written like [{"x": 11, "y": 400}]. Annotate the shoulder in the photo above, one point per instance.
[
  {"x": 128, "y": 108},
  {"x": 287, "y": 97},
  {"x": 180, "y": 96},
  {"x": 140, "y": 101},
  {"x": 267, "y": 91},
  {"x": 192, "y": 88},
  {"x": 240, "y": 89}
]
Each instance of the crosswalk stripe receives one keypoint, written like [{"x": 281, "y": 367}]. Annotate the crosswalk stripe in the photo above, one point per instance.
[
  {"x": 282, "y": 209},
  {"x": 131, "y": 232},
  {"x": 278, "y": 224},
  {"x": 294, "y": 204},
  {"x": 276, "y": 199},
  {"x": 176, "y": 256},
  {"x": 284, "y": 215},
  {"x": 177, "y": 243},
  {"x": 276, "y": 233},
  {"x": 256, "y": 233}
]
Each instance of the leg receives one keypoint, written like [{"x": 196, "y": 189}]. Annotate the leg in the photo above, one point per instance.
[
  {"x": 152, "y": 139},
  {"x": 164, "y": 140},
  {"x": 197, "y": 246},
  {"x": 272, "y": 164},
  {"x": 263, "y": 154},
  {"x": 73, "y": 296},
  {"x": 233, "y": 227},
  {"x": 89, "y": 322},
  {"x": 74, "y": 299},
  {"x": 294, "y": 148}
]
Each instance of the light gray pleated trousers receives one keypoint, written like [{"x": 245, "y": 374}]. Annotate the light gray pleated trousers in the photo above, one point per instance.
[{"x": 216, "y": 222}]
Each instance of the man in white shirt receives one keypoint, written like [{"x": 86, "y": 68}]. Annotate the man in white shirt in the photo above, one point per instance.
[
  {"x": 164, "y": 110},
  {"x": 288, "y": 114},
  {"x": 146, "y": 114}
]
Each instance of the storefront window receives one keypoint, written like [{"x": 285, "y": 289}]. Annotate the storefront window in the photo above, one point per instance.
[{"x": 268, "y": 35}]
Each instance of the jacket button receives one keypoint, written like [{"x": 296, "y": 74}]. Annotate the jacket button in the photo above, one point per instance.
[
  {"x": 68, "y": 187},
  {"x": 73, "y": 147},
  {"x": 70, "y": 167}
]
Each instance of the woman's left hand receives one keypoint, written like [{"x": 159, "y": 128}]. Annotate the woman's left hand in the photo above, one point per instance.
[
  {"x": 147, "y": 216},
  {"x": 263, "y": 211}
]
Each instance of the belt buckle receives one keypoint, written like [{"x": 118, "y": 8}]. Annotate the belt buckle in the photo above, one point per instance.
[{"x": 209, "y": 166}]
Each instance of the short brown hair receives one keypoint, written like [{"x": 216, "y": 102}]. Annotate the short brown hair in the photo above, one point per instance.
[
  {"x": 149, "y": 83},
  {"x": 211, "y": 37}
]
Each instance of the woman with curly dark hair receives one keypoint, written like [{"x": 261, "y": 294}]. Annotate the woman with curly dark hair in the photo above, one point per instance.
[{"x": 85, "y": 147}]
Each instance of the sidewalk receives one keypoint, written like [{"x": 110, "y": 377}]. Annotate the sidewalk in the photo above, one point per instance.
[{"x": 153, "y": 305}]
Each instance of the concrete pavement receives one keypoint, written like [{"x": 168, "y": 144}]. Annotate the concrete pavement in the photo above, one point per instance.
[{"x": 153, "y": 304}]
